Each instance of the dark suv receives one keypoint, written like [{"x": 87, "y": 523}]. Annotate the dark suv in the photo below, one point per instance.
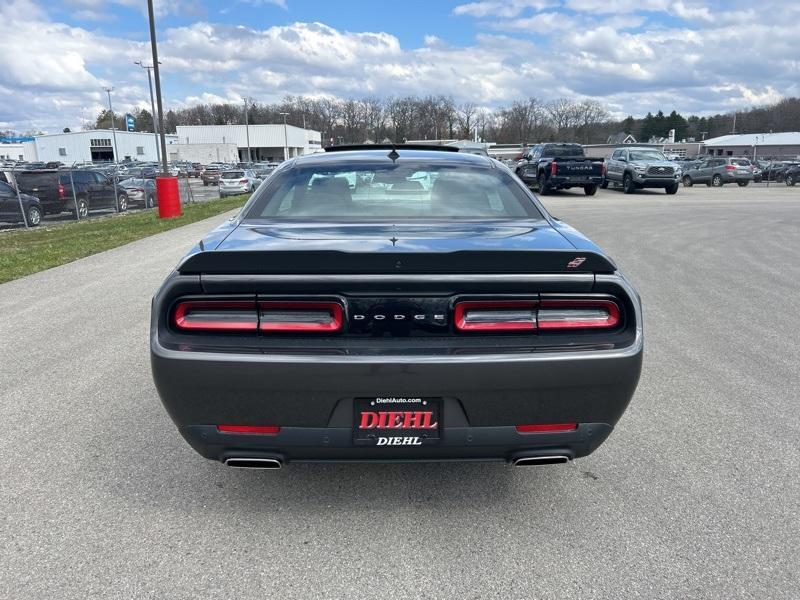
[{"x": 93, "y": 191}]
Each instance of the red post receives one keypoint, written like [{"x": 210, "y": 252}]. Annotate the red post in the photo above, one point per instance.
[{"x": 169, "y": 198}]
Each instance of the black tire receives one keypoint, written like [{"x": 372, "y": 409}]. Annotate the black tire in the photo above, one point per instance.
[
  {"x": 83, "y": 208},
  {"x": 604, "y": 185},
  {"x": 33, "y": 216},
  {"x": 150, "y": 201},
  {"x": 687, "y": 181},
  {"x": 544, "y": 189},
  {"x": 205, "y": 183},
  {"x": 716, "y": 181},
  {"x": 742, "y": 183},
  {"x": 122, "y": 203},
  {"x": 671, "y": 189},
  {"x": 590, "y": 190},
  {"x": 628, "y": 185},
  {"x": 789, "y": 181}
]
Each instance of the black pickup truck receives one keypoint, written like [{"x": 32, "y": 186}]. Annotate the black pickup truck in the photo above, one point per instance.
[
  {"x": 560, "y": 167},
  {"x": 93, "y": 191}
]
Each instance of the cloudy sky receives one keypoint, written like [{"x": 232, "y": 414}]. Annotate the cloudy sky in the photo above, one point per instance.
[{"x": 697, "y": 56}]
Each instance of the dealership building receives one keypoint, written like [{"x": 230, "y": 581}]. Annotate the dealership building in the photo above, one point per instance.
[
  {"x": 94, "y": 145},
  {"x": 785, "y": 144},
  {"x": 266, "y": 142}
]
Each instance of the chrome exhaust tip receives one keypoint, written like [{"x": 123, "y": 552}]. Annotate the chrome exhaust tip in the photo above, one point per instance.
[
  {"x": 528, "y": 461},
  {"x": 253, "y": 463}
]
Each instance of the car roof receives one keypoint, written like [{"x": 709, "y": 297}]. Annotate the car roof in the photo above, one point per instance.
[{"x": 345, "y": 157}]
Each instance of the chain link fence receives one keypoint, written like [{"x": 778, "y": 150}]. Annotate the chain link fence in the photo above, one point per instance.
[{"x": 31, "y": 192}]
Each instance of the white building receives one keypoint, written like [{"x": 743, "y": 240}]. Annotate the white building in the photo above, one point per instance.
[
  {"x": 267, "y": 142},
  {"x": 17, "y": 151},
  {"x": 785, "y": 144},
  {"x": 96, "y": 145}
]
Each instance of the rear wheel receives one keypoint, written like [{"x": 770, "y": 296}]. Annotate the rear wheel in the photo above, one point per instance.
[
  {"x": 742, "y": 183},
  {"x": 205, "y": 183},
  {"x": 716, "y": 181},
  {"x": 628, "y": 186},
  {"x": 671, "y": 189},
  {"x": 687, "y": 181},
  {"x": 33, "y": 216},
  {"x": 544, "y": 189},
  {"x": 150, "y": 201},
  {"x": 790, "y": 180},
  {"x": 590, "y": 190},
  {"x": 122, "y": 203},
  {"x": 604, "y": 185}
]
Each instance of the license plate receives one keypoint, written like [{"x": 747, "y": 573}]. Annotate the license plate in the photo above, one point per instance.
[{"x": 397, "y": 421}]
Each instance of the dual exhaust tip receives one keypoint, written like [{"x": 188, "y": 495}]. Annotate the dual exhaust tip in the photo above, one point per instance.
[{"x": 274, "y": 463}]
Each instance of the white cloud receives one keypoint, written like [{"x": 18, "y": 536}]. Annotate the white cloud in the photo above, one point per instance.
[{"x": 627, "y": 60}]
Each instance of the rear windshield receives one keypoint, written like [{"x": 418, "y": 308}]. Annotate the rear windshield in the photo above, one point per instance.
[
  {"x": 742, "y": 162},
  {"x": 393, "y": 191},
  {"x": 562, "y": 151},
  {"x": 232, "y": 175},
  {"x": 33, "y": 178}
]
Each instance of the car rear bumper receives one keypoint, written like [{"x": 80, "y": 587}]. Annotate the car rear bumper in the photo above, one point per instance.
[
  {"x": 568, "y": 182},
  {"x": 311, "y": 398}
]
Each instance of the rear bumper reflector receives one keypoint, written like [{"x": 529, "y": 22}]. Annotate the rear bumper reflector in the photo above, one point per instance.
[
  {"x": 252, "y": 429},
  {"x": 547, "y": 428}
]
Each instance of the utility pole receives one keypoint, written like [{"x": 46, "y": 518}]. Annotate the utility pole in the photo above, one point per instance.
[
  {"x": 285, "y": 137},
  {"x": 734, "y": 123},
  {"x": 163, "y": 140},
  {"x": 113, "y": 122},
  {"x": 247, "y": 132},
  {"x": 152, "y": 104}
]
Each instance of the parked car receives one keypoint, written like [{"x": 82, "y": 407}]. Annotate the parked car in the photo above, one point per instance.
[
  {"x": 140, "y": 191},
  {"x": 719, "y": 170},
  {"x": 93, "y": 190},
  {"x": 194, "y": 170},
  {"x": 792, "y": 175},
  {"x": 560, "y": 167},
  {"x": 239, "y": 181},
  {"x": 637, "y": 168},
  {"x": 10, "y": 210},
  {"x": 330, "y": 323},
  {"x": 264, "y": 170},
  {"x": 210, "y": 175}
]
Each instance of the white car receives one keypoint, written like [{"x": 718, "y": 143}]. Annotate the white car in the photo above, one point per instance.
[{"x": 238, "y": 181}]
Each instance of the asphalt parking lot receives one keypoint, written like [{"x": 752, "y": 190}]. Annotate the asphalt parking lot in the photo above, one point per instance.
[{"x": 695, "y": 495}]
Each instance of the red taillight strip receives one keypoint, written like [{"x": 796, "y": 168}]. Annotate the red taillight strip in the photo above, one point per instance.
[
  {"x": 252, "y": 429},
  {"x": 183, "y": 310},
  {"x": 334, "y": 308},
  {"x": 547, "y": 428},
  {"x": 462, "y": 308},
  {"x": 611, "y": 320}
]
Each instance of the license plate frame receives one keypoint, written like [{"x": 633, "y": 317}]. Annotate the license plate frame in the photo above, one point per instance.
[{"x": 427, "y": 432}]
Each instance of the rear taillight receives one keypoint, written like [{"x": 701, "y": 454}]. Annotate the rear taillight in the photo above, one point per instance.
[
  {"x": 300, "y": 316},
  {"x": 243, "y": 181},
  {"x": 554, "y": 168},
  {"x": 547, "y": 428},
  {"x": 61, "y": 192},
  {"x": 603, "y": 169},
  {"x": 527, "y": 315},
  {"x": 212, "y": 315},
  {"x": 730, "y": 168},
  {"x": 577, "y": 314},
  {"x": 499, "y": 315},
  {"x": 252, "y": 429}
]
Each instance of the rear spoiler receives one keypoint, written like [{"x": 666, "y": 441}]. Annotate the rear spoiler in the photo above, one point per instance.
[{"x": 331, "y": 262}]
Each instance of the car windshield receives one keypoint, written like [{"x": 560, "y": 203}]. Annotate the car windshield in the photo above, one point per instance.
[
  {"x": 232, "y": 175},
  {"x": 393, "y": 191},
  {"x": 647, "y": 155}
]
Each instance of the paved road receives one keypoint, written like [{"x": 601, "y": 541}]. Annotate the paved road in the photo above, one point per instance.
[{"x": 696, "y": 495}]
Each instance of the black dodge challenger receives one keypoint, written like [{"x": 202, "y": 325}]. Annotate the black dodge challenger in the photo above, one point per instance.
[{"x": 395, "y": 304}]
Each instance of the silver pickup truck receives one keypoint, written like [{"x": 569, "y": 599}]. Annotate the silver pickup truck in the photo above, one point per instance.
[{"x": 637, "y": 168}]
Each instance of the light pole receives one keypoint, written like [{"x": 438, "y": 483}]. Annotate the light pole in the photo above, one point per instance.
[
  {"x": 247, "y": 132},
  {"x": 285, "y": 138},
  {"x": 148, "y": 68},
  {"x": 113, "y": 122},
  {"x": 153, "y": 43}
]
